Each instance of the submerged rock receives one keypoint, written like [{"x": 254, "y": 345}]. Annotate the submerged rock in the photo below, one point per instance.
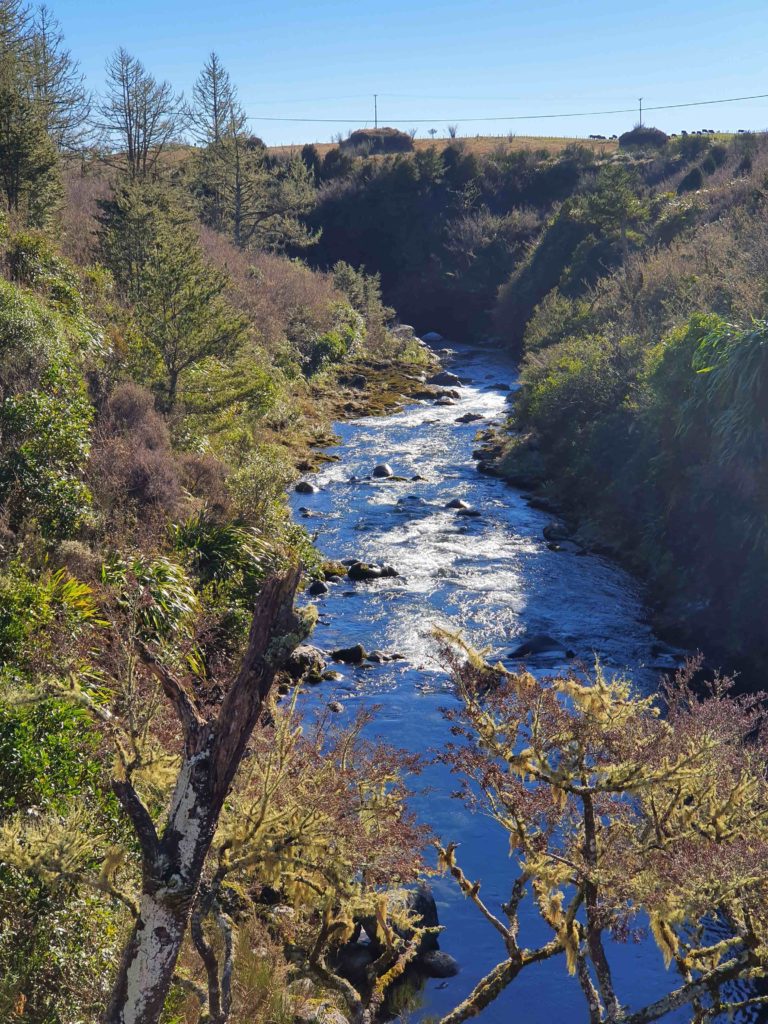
[
  {"x": 432, "y": 337},
  {"x": 555, "y": 530},
  {"x": 380, "y": 657},
  {"x": 437, "y": 964},
  {"x": 540, "y": 643}
]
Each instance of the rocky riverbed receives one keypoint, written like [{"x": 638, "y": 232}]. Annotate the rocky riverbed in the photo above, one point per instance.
[{"x": 426, "y": 540}]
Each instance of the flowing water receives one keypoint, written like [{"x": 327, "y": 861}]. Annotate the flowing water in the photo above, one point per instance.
[{"x": 494, "y": 578}]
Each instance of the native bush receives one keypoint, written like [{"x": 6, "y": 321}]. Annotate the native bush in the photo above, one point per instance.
[
  {"x": 45, "y": 417},
  {"x": 692, "y": 182}
]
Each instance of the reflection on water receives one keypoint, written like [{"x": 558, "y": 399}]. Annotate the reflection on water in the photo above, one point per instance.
[{"x": 494, "y": 578}]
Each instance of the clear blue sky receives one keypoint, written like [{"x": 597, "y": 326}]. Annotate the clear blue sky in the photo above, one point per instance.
[{"x": 446, "y": 62}]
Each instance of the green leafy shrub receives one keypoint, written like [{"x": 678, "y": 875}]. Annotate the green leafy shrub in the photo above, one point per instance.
[
  {"x": 33, "y": 260},
  {"x": 45, "y": 418}
]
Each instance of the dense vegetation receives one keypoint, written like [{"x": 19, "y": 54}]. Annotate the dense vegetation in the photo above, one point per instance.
[
  {"x": 644, "y": 407},
  {"x": 182, "y": 315},
  {"x": 634, "y": 287},
  {"x": 165, "y": 371}
]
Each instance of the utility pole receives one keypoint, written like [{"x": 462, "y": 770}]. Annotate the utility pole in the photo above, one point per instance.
[
  {"x": 641, "y": 111},
  {"x": 375, "y": 110}
]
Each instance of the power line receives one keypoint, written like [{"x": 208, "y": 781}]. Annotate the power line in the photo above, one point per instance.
[{"x": 511, "y": 117}]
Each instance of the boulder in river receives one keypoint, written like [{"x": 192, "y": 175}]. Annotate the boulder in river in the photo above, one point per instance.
[
  {"x": 470, "y": 513},
  {"x": 306, "y": 662},
  {"x": 469, "y": 417},
  {"x": 364, "y": 571},
  {"x": 437, "y": 964},
  {"x": 432, "y": 337},
  {"x": 305, "y": 487},
  {"x": 336, "y": 707},
  {"x": 445, "y": 379},
  {"x": 380, "y": 658},
  {"x": 383, "y": 470},
  {"x": 419, "y": 904},
  {"x": 445, "y": 400},
  {"x": 316, "y": 588},
  {"x": 540, "y": 643},
  {"x": 458, "y": 503},
  {"x": 354, "y": 655},
  {"x": 555, "y": 530}
]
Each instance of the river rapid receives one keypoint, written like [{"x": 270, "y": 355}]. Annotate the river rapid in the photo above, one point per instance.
[{"x": 494, "y": 578}]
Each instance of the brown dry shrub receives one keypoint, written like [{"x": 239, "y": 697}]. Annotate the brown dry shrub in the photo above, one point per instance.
[
  {"x": 80, "y": 560},
  {"x": 132, "y": 461},
  {"x": 84, "y": 185},
  {"x": 205, "y": 477},
  {"x": 261, "y": 990},
  {"x": 272, "y": 290}
]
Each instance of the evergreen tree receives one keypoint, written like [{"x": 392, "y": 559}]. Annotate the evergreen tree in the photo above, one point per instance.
[
  {"x": 57, "y": 84},
  {"x": 155, "y": 255},
  {"x": 28, "y": 161},
  {"x": 257, "y": 201},
  {"x": 138, "y": 115},
  {"x": 214, "y": 104}
]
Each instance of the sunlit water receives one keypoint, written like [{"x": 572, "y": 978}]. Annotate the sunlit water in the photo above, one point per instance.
[{"x": 493, "y": 578}]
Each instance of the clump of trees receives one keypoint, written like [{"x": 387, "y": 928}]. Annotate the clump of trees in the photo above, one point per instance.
[
  {"x": 160, "y": 816},
  {"x": 624, "y": 812},
  {"x": 44, "y": 108},
  {"x": 259, "y": 202}
]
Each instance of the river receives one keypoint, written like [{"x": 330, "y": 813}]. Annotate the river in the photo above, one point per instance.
[{"x": 494, "y": 578}]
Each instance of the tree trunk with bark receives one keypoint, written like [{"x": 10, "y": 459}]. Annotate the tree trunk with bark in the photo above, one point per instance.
[{"x": 172, "y": 863}]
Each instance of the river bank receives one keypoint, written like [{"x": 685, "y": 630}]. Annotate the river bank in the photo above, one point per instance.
[
  {"x": 678, "y": 621},
  {"x": 494, "y": 577}
]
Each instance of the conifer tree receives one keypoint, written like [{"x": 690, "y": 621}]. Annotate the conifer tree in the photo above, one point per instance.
[
  {"x": 138, "y": 115},
  {"x": 29, "y": 179},
  {"x": 155, "y": 254},
  {"x": 57, "y": 84},
  {"x": 215, "y": 109}
]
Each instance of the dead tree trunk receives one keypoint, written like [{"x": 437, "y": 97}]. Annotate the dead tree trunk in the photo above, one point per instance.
[{"x": 172, "y": 863}]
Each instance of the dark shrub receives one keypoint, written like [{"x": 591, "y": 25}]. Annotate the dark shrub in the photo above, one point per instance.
[
  {"x": 378, "y": 140},
  {"x": 643, "y": 136},
  {"x": 719, "y": 154},
  {"x": 693, "y": 181}
]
